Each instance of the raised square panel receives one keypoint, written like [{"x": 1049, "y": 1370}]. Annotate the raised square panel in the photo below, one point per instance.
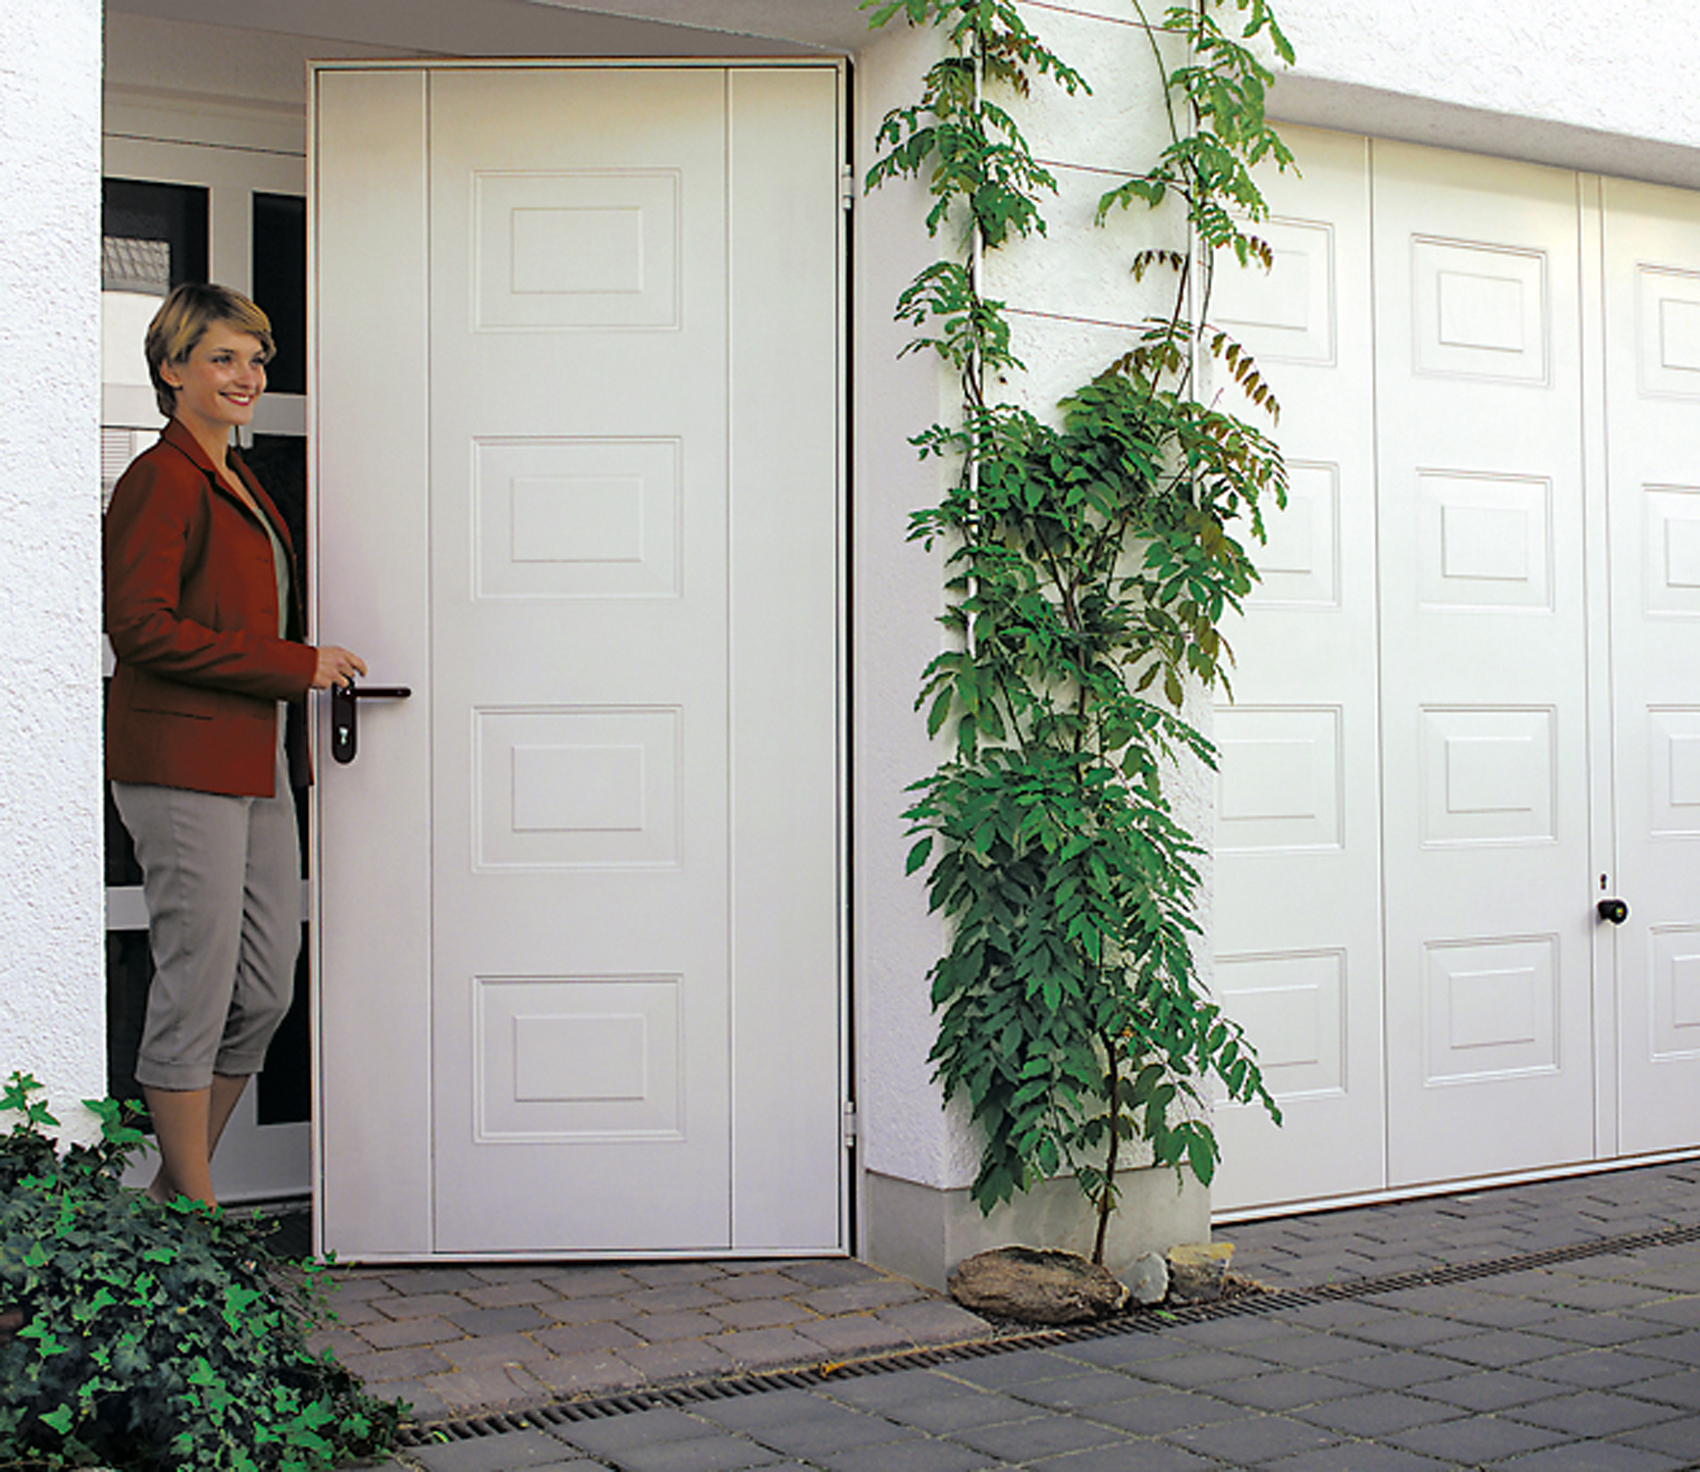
[
  {"x": 577, "y": 787},
  {"x": 1671, "y": 566},
  {"x": 576, "y": 518},
  {"x": 577, "y": 1058},
  {"x": 1675, "y": 954},
  {"x": 1285, "y": 314},
  {"x": 1668, "y": 331},
  {"x": 1292, "y": 1005},
  {"x": 576, "y": 249},
  {"x": 1279, "y": 779},
  {"x": 1673, "y": 769},
  {"x": 1484, "y": 542},
  {"x": 1479, "y": 311},
  {"x": 1487, "y": 776},
  {"x": 1299, "y": 564},
  {"x": 1490, "y": 1009}
]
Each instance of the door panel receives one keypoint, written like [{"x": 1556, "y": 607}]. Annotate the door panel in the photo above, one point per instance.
[
  {"x": 633, "y": 720},
  {"x": 1652, "y": 266}
]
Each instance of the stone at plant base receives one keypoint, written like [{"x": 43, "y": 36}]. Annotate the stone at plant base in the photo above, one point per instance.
[
  {"x": 1148, "y": 1282},
  {"x": 1037, "y": 1286},
  {"x": 1197, "y": 1270}
]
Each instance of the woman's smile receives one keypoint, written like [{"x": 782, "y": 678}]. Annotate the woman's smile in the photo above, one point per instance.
[{"x": 220, "y": 382}]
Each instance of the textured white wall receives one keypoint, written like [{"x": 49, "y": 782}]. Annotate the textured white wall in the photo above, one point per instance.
[
  {"x": 52, "y": 987},
  {"x": 1606, "y": 88}
]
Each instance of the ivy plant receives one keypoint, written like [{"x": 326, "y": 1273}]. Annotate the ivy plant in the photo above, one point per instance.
[
  {"x": 1092, "y": 557},
  {"x": 153, "y": 1338}
]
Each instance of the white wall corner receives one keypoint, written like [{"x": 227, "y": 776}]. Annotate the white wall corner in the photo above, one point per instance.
[{"x": 52, "y": 969}]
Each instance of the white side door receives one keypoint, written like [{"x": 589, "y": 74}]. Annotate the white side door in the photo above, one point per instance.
[
  {"x": 579, "y": 486},
  {"x": 1652, "y": 276}
]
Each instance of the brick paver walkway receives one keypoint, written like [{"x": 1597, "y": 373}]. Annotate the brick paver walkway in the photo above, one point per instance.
[{"x": 1477, "y": 1357}]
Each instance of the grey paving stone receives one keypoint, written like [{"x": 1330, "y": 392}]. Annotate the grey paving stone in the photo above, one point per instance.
[
  {"x": 707, "y": 1454},
  {"x": 420, "y": 1305},
  {"x": 759, "y": 1313},
  {"x": 754, "y": 1285},
  {"x": 1307, "y": 1349},
  {"x": 673, "y": 1299},
  {"x": 1500, "y": 1347},
  {"x": 513, "y": 1450},
  {"x": 1283, "y": 1390},
  {"x": 1410, "y": 1331},
  {"x": 1121, "y": 1351},
  {"x": 1594, "y": 1413},
  {"x": 400, "y": 1333},
  {"x": 684, "y": 1359},
  {"x": 351, "y": 1285},
  {"x": 1476, "y": 1439},
  {"x": 765, "y": 1349},
  {"x": 396, "y": 1364},
  {"x": 1230, "y": 1332},
  {"x": 1393, "y": 1369},
  {"x": 495, "y": 1349},
  {"x": 1679, "y": 1438},
  {"x": 934, "y": 1321},
  {"x": 363, "y": 1311},
  {"x": 589, "y": 1311},
  {"x": 505, "y": 1295},
  {"x": 829, "y": 1428},
  {"x": 658, "y": 1328},
  {"x": 588, "y": 1282},
  {"x": 424, "y": 1402},
  {"x": 855, "y": 1298},
  {"x": 1342, "y": 1315},
  {"x": 909, "y": 1456},
  {"x": 672, "y": 1274},
  {"x": 601, "y": 1335},
  {"x": 1142, "y": 1456},
  {"x": 430, "y": 1280},
  {"x": 1017, "y": 1368},
  {"x": 1600, "y": 1369},
  {"x": 1207, "y": 1367},
  {"x": 1593, "y": 1456},
  {"x": 636, "y": 1428},
  {"x": 852, "y": 1335},
  {"x": 1376, "y": 1414},
  {"x": 1160, "y": 1410},
  {"x": 750, "y": 1413},
  {"x": 1043, "y": 1436},
  {"x": 832, "y": 1273},
  {"x": 1682, "y": 1390},
  {"x": 513, "y": 1320},
  {"x": 1684, "y": 1349},
  {"x": 585, "y": 1374},
  {"x": 1254, "y": 1439},
  {"x": 1488, "y": 1390},
  {"x": 1603, "y": 1329},
  {"x": 929, "y": 1401},
  {"x": 1073, "y": 1392},
  {"x": 1356, "y": 1456},
  {"x": 486, "y": 1385}
]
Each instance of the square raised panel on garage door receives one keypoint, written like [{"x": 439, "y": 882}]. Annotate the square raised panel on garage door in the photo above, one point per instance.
[
  {"x": 577, "y": 787},
  {"x": 1284, "y": 314},
  {"x": 1299, "y": 564},
  {"x": 1292, "y": 1005},
  {"x": 1480, "y": 311},
  {"x": 1668, "y": 331},
  {"x": 1487, "y": 776},
  {"x": 576, "y": 249},
  {"x": 1672, "y": 541},
  {"x": 1484, "y": 542},
  {"x": 1673, "y": 770},
  {"x": 1279, "y": 779},
  {"x": 1490, "y": 1008},
  {"x": 576, "y": 518}
]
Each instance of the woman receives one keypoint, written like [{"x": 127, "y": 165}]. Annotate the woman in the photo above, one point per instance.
[{"x": 205, "y": 619}]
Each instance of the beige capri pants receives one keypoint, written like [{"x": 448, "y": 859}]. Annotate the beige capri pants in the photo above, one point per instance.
[{"x": 222, "y": 880}]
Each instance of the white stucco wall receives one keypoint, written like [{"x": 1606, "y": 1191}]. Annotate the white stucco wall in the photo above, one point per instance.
[
  {"x": 51, "y": 959},
  {"x": 1604, "y": 88}
]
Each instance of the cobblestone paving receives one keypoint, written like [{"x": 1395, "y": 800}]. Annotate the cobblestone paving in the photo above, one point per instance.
[{"x": 1588, "y": 1362}]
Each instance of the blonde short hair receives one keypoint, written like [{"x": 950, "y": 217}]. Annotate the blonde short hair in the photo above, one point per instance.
[{"x": 182, "y": 321}]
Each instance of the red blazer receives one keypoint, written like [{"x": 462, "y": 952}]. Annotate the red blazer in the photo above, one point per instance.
[{"x": 191, "y": 609}]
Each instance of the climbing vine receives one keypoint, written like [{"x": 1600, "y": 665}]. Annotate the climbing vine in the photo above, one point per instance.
[{"x": 1091, "y": 561}]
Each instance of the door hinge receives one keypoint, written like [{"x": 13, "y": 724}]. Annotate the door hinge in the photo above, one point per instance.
[
  {"x": 847, "y": 187},
  {"x": 849, "y": 1124}
]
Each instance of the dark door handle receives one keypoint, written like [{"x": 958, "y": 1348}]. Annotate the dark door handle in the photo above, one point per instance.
[
  {"x": 345, "y": 725},
  {"x": 1615, "y": 911}
]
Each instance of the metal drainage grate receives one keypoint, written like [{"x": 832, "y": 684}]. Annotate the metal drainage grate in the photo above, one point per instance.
[{"x": 688, "y": 1393}]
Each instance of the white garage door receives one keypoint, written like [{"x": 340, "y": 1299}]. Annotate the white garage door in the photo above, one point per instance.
[{"x": 1464, "y": 711}]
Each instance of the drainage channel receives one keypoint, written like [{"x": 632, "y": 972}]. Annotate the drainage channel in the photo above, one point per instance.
[{"x": 698, "y": 1392}]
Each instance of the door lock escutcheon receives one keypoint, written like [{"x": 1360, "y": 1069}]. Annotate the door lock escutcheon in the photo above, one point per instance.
[
  {"x": 345, "y": 723},
  {"x": 1616, "y": 911}
]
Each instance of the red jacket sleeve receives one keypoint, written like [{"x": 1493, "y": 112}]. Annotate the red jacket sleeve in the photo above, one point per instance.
[{"x": 190, "y": 591}]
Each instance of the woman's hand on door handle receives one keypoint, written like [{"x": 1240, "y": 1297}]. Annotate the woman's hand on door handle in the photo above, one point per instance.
[{"x": 336, "y": 666}]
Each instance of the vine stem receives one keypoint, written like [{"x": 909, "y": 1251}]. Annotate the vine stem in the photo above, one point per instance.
[{"x": 1107, "y": 1198}]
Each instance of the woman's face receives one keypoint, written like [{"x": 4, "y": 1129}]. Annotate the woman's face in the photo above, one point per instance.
[{"x": 219, "y": 384}]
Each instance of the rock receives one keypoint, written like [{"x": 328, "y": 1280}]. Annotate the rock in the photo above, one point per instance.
[
  {"x": 1148, "y": 1283},
  {"x": 1197, "y": 1271},
  {"x": 1036, "y": 1286}
]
